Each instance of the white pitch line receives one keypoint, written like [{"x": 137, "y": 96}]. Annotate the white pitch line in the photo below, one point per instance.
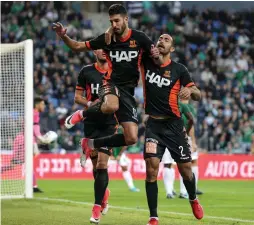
[
  {"x": 144, "y": 210},
  {"x": 208, "y": 206}
]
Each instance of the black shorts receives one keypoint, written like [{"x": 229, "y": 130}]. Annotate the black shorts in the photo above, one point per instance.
[
  {"x": 167, "y": 133},
  {"x": 127, "y": 111},
  {"x": 95, "y": 130}
]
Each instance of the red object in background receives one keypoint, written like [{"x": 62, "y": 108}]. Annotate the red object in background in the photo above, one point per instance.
[
  {"x": 17, "y": 173},
  {"x": 56, "y": 166}
]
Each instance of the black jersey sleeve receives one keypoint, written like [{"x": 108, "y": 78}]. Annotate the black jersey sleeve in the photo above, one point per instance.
[
  {"x": 185, "y": 77},
  {"x": 81, "y": 81},
  {"x": 146, "y": 59},
  {"x": 96, "y": 43},
  {"x": 145, "y": 42}
]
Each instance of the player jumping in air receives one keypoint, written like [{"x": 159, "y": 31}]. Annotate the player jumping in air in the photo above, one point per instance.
[
  {"x": 19, "y": 141},
  {"x": 117, "y": 92},
  {"x": 162, "y": 86}
]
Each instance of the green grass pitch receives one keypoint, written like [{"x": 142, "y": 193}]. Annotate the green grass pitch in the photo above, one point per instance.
[{"x": 69, "y": 202}]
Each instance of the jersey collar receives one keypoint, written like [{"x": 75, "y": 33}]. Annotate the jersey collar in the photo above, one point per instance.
[
  {"x": 123, "y": 39},
  {"x": 166, "y": 63},
  {"x": 99, "y": 69}
]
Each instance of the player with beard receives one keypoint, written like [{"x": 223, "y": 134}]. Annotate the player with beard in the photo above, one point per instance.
[
  {"x": 95, "y": 126},
  {"x": 117, "y": 92},
  {"x": 162, "y": 87}
]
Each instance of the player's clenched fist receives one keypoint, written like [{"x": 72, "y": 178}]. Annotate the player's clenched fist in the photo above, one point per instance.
[
  {"x": 185, "y": 93},
  {"x": 155, "y": 53},
  {"x": 59, "y": 29}
]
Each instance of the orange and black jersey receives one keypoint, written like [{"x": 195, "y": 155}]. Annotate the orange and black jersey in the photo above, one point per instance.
[
  {"x": 123, "y": 56},
  {"x": 89, "y": 80},
  {"x": 162, "y": 85}
]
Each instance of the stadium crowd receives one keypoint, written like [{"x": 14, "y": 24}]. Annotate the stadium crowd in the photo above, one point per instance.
[{"x": 216, "y": 46}]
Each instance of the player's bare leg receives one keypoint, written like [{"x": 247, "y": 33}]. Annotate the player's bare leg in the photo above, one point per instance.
[
  {"x": 100, "y": 186},
  {"x": 190, "y": 184},
  {"x": 130, "y": 132},
  {"x": 110, "y": 104},
  {"x": 152, "y": 169}
]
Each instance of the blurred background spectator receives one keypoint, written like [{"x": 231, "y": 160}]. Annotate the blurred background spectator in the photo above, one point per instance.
[{"x": 216, "y": 45}]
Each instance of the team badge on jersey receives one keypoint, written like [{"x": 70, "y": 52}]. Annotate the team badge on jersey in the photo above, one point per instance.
[
  {"x": 133, "y": 44},
  {"x": 167, "y": 74}
]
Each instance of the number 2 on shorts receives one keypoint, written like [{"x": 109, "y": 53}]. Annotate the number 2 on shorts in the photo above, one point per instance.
[{"x": 181, "y": 148}]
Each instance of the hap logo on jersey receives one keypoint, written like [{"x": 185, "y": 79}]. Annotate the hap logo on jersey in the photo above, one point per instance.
[
  {"x": 166, "y": 74},
  {"x": 95, "y": 88},
  {"x": 133, "y": 44},
  {"x": 157, "y": 79},
  {"x": 120, "y": 56}
]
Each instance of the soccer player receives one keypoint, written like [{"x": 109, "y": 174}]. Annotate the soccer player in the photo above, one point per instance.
[
  {"x": 39, "y": 106},
  {"x": 123, "y": 160},
  {"x": 116, "y": 94},
  {"x": 162, "y": 87},
  {"x": 96, "y": 125},
  {"x": 19, "y": 141}
]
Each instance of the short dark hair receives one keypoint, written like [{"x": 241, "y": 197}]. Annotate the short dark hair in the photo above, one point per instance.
[
  {"x": 117, "y": 9},
  {"x": 37, "y": 100}
]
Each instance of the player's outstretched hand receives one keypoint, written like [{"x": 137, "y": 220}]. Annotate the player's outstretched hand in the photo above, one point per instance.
[
  {"x": 59, "y": 29},
  {"x": 108, "y": 36},
  {"x": 155, "y": 53},
  {"x": 185, "y": 93}
]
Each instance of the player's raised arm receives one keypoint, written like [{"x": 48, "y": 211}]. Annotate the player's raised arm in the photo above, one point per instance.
[
  {"x": 72, "y": 44},
  {"x": 78, "y": 46}
]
